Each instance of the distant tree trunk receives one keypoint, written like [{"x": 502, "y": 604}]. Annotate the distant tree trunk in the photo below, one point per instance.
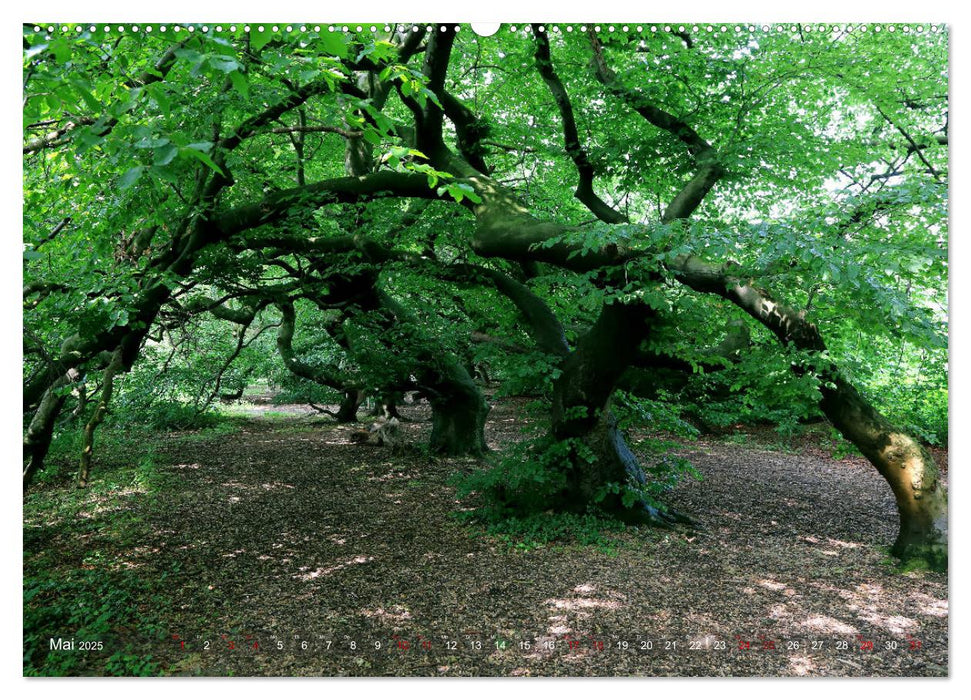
[
  {"x": 387, "y": 407},
  {"x": 101, "y": 409},
  {"x": 458, "y": 408},
  {"x": 458, "y": 413},
  {"x": 347, "y": 413},
  {"x": 233, "y": 395}
]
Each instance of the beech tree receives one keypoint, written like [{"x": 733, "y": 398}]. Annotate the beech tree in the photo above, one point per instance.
[{"x": 642, "y": 210}]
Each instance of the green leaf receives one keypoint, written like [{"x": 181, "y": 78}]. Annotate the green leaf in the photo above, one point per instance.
[
  {"x": 334, "y": 43},
  {"x": 193, "y": 152},
  {"x": 258, "y": 39},
  {"x": 89, "y": 99},
  {"x": 224, "y": 64},
  {"x": 240, "y": 83},
  {"x": 157, "y": 92},
  {"x": 165, "y": 154},
  {"x": 130, "y": 177}
]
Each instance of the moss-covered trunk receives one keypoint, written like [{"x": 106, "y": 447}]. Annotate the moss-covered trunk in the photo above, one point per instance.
[{"x": 458, "y": 419}]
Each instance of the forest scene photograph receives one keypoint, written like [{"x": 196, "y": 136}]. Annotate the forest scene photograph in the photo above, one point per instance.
[{"x": 424, "y": 349}]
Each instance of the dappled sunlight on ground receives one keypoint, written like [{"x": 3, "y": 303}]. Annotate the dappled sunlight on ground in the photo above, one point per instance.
[
  {"x": 323, "y": 542},
  {"x": 823, "y": 624},
  {"x": 327, "y": 571}
]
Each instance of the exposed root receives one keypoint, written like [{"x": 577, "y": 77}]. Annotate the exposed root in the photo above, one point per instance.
[{"x": 668, "y": 519}]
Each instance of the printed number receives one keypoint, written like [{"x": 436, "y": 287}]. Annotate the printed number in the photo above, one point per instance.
[
  {"x": 453, "y": 646},
  {"x": 842, "y": 646},
  {"x": 475, "y": 644},
  {"x": 377, "y": 645},
  {"x": 353, "y": 646},
  {"x": 817, "y": 645},
  {"x": 671, "y": 646},
  {"x": 279, "y": 645},
  {"x": 693, "y": 646},
  {"x": 720, "y": 645},
  {"x": 205, "y": 645},
  {"x": 792, "y": 646},
  {"x": 304, "y": 645},
  {"x": 646, "y": 646},
  {"x": 549, "y": 645},
  {"x": 891, "y": 645},
  {"x": 328, "y": 643},
  {"x": 526, "y": 645},
  {"x": 623, "y": 645}
]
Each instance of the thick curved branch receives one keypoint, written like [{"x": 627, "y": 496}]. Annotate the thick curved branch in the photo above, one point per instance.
[
  {"x": 284, "y": 343},
  {"x": 709, "y": 169},
  {"x": 277, "y": 205},
  {"x": 571, "y": 137},
  {"x": 545, "y": 328},
  {"x": 901, "y": 460}
]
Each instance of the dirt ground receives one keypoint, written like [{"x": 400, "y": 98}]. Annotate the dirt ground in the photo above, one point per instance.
[{"x": 289, "y": 551}]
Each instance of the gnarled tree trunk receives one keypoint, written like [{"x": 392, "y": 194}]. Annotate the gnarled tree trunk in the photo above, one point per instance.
[
  {"x": 347, "y": 411},
  {"x": 40, "y": 430},
  {"x": 899, "y": 458},
  {"x": 581, "y": 412},
  {"x": 904, "y": 463},
  {"x": 458, "y": 415}
]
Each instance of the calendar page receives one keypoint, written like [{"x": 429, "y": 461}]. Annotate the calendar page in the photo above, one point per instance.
[{"x": 485, "y": 350}]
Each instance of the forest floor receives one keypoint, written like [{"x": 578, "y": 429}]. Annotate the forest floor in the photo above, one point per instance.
[{"x": 275, "y": 546}]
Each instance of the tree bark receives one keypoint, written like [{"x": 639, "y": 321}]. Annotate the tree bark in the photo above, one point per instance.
[
  {"x": 101, "y": 409},
  {"x": 581, "y": 412},
  {"x": 458, "y": 408},
  {"x": 458, "y": 412},
  {"x": 40, "y": 430},
  {"x": 907, "y": 467},
  {"x": 347, "y": 412}
]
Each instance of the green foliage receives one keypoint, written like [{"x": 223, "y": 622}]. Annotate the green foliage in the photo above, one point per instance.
[
  {"x": 532, "y": 477},
  {"x": 538, "y": 530},
  {"x": 526, "y": 479},
  {"x": 834, "y": 199},
  {"x": 89, "y": 604}
]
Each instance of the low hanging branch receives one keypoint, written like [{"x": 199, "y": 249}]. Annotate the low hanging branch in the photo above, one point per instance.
[{"x": 905, "y": 464}]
